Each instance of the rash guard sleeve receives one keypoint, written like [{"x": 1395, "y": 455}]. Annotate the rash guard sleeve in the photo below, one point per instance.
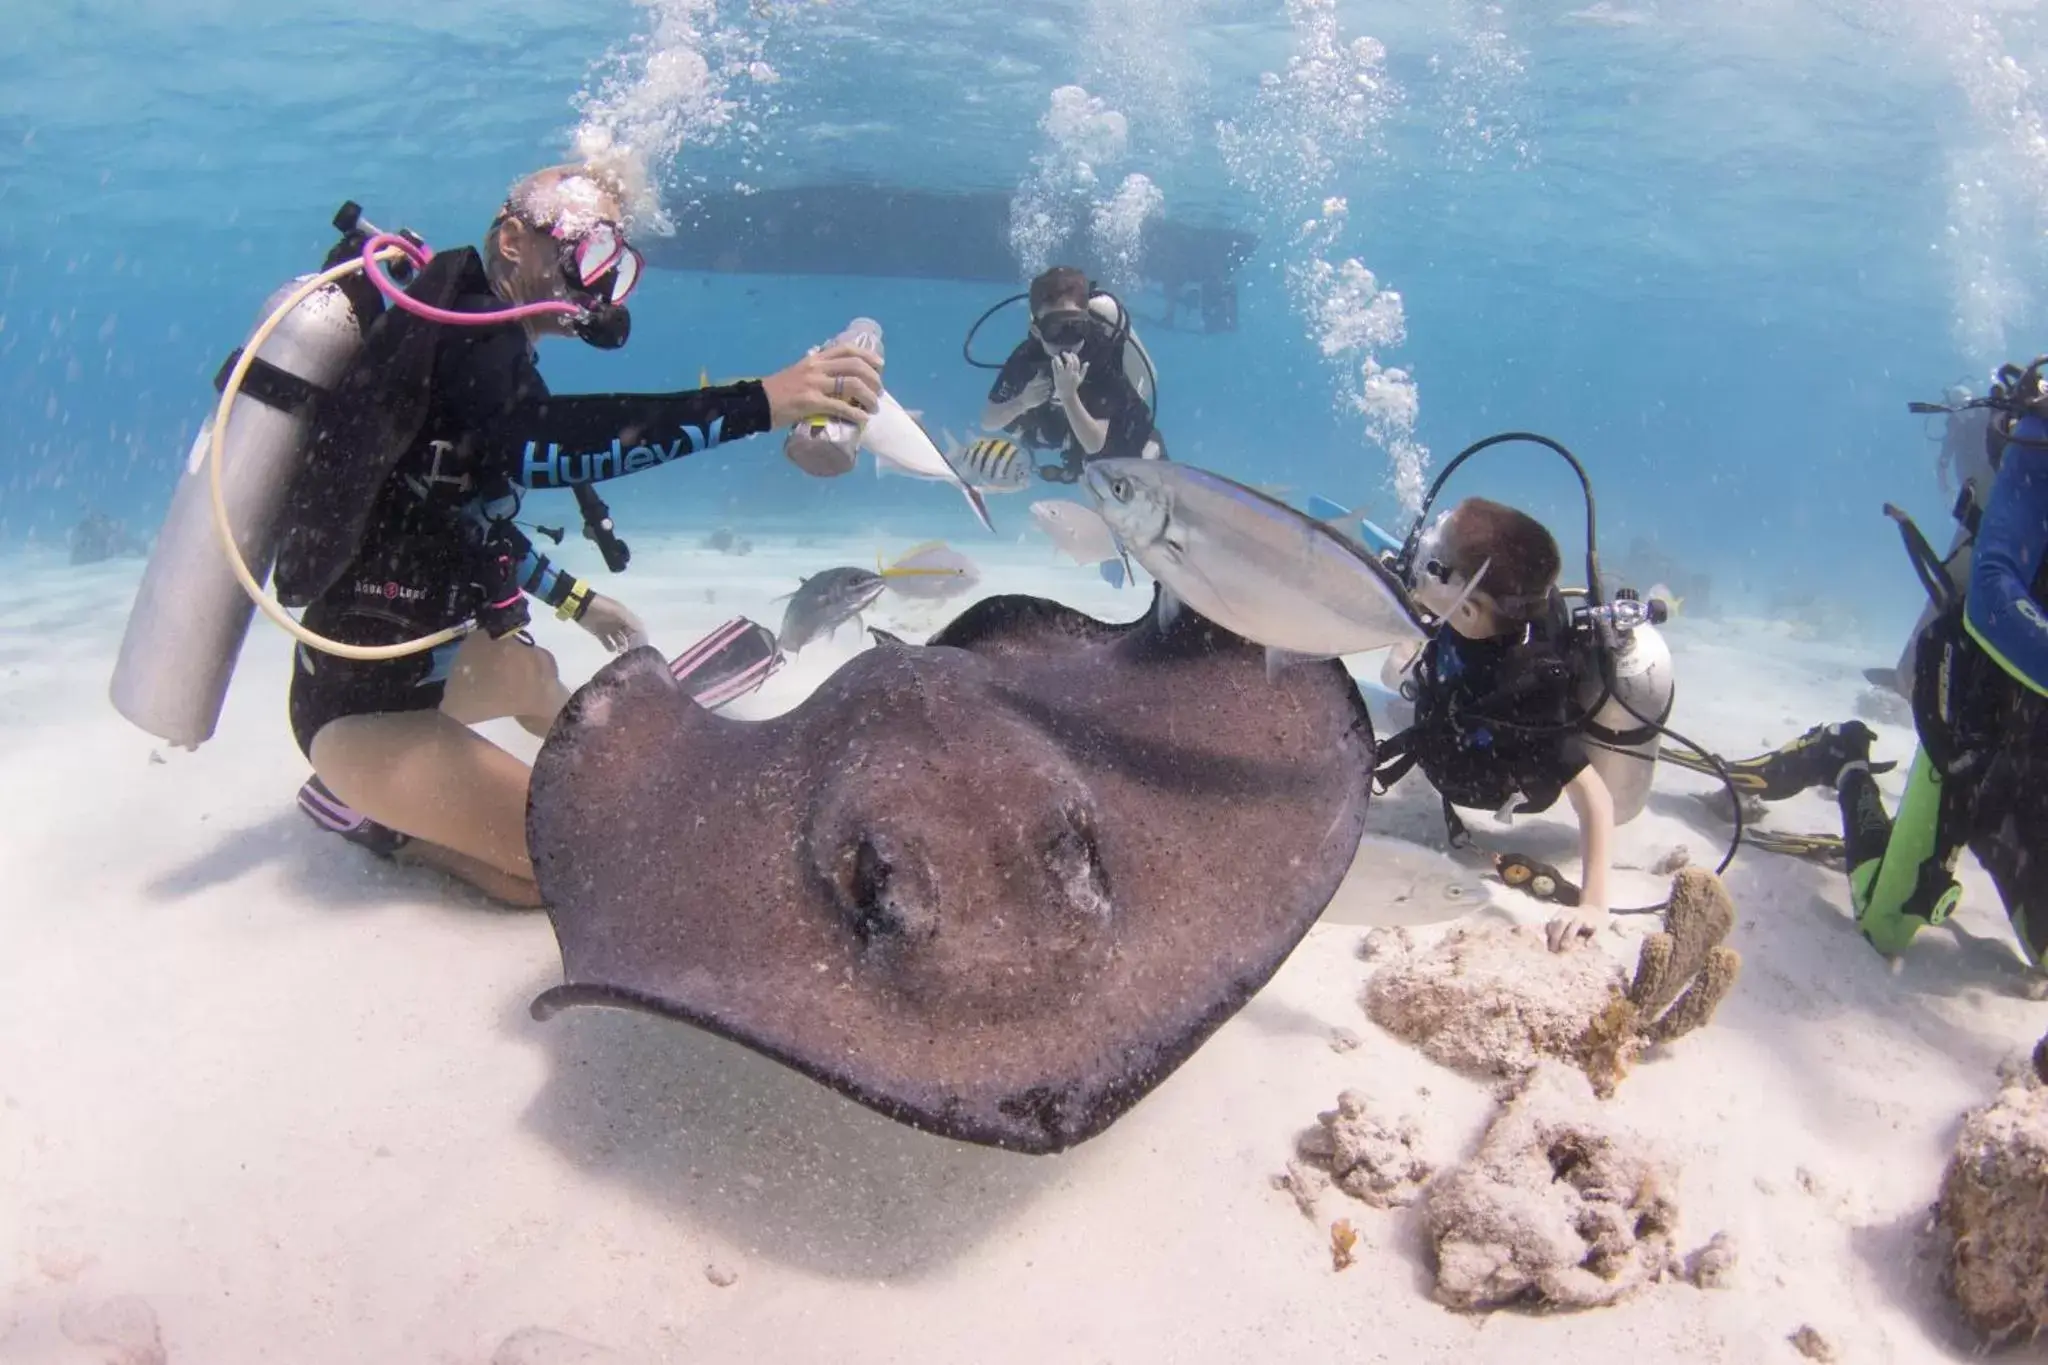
[
  {"x": 2000, "y": 610},
  {"x": 541, "y": 440}
]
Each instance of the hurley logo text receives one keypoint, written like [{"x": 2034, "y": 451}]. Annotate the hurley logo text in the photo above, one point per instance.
[{"x": 552, "y": 468}]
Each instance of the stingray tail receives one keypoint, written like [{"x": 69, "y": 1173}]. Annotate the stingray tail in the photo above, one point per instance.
[{"x": 728, "y": 663}]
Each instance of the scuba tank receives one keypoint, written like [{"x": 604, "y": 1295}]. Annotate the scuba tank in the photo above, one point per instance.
[
  {"x": 191, "y": 614},
  {"x": 1137, "y": 361},
  {"x": 1633, "y": 699},
  {"x": 828, "y": 446}
]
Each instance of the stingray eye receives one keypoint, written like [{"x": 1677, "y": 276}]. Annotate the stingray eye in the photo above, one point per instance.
[{"x": 1120, "y": 488}]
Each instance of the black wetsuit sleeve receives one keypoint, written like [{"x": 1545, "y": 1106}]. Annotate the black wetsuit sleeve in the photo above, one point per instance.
[
  {"x": 541, "y": 440},
  {"x": 1026, "y": 362}
]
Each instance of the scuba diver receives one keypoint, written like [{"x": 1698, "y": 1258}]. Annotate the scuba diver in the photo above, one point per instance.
[
  {"x": 1494, "y": 692},
  {"x": 423, "y": 423},
  {"x": 1980, "y": 704},
  {"x": 1068, "y": 385}
]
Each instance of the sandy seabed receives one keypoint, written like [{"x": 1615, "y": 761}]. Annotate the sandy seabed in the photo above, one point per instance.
[{"x": 266, "y": 1098}]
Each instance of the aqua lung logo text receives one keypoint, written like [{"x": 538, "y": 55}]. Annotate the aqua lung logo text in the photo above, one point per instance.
[
  {"x": 389, "y": 590},
  {"x": 555, "y": 469}
]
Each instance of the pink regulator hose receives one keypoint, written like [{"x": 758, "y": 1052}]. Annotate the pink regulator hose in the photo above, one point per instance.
[{"x": 419, "y": 256}]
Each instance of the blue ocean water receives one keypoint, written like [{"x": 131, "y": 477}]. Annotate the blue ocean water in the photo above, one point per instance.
[{"x": 1713, "y": 249}]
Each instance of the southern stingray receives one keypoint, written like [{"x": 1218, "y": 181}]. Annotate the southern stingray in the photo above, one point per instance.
[{"x": 996, "y": 887}]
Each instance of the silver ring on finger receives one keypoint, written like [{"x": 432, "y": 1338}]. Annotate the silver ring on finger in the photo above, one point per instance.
[{"x": 839, "y": 386}]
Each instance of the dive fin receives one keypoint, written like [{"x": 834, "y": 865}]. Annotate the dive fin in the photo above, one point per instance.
[
  {"x": 1112, "y": 572},
  {"x": 332, "y": 814},
  {"x": 1322, "y": 509},
  {"x": 1819, "y": 848},
  {"x": 728, "y": 663},
  {"x": 1376, "y": 538}
]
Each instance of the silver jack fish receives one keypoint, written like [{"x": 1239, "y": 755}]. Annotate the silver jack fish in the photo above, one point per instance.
[
  {"x": 1254, "y": 566},
  {"x": 824, "y": 603}
]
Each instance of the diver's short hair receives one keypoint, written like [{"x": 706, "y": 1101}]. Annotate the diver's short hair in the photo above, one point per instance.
[
  {"x": 1519, "y": 554},
  {"x": 1060, "y": 285}
]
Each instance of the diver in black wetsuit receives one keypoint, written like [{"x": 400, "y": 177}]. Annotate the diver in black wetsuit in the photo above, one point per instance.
[
  {"x": 403, "y": 524},
  {"x": 1065, "y": 387}
]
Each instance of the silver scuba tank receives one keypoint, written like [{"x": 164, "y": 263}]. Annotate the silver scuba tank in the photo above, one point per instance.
[
  {"x": 1622, "y": 740},
  {"x": 828, "y": 446},
  {"x": 191, "y": 615}
]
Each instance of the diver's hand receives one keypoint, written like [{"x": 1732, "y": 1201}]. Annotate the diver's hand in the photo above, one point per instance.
[
  {"x": 1582, "y": 921},
  {"x": 837, "y": 381},
  {"x": 1068, "y": 370},
  {"x": 615, "y": 627},
  {"x": 1035, "y": 394}
]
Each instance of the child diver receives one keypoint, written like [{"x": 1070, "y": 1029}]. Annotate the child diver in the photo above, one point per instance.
[{"x": 1495, "y": 724}]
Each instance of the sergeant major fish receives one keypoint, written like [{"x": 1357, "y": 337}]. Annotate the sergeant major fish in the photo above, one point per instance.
[
  {"x": 991, "y": 464},
  {"x": 1254, "y": 566}
]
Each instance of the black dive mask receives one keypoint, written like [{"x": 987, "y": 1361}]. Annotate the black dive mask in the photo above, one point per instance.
[
  {"x": 1063, "y": 329},
  {"x": 603, "y": 324}
]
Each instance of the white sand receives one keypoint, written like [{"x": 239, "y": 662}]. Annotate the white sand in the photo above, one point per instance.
[{"x": 290, "y": 1097}]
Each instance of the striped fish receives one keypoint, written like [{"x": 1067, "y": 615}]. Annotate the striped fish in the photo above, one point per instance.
[{"x": 992, "y": 464}]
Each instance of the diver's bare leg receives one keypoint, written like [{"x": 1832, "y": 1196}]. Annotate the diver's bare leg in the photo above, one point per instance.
[
  {"x": 493, "y": 679},
  {"x": 425, "y": 774}
]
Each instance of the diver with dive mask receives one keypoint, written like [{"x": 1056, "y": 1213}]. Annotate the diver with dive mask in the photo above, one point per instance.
[
  {"x": 1070, "y": 385},
  {"x": 392, "y": 496}
]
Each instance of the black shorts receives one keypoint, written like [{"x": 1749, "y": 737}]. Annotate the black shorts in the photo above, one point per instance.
[{"x": 327, "y": 687}]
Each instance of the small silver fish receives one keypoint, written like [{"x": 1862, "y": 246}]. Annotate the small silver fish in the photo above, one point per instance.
[
  {"x": 825, "y": 602},
  {"x": 992, "y": 464},
  {"x": 1078, "y": 532},
  {"x": 1251, "y": 564},
  {"x": 1083, "y": 536},
  {"x": 932, "y": 572}
]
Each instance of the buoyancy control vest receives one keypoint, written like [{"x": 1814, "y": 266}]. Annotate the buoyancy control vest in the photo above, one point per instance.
[
  {"x": 1495, "y": 720},
  {"x": 363, "y": 427}
]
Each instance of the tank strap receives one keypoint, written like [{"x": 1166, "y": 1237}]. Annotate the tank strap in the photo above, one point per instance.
[
  {"x": 1927, "y": 565},
  {"x": 267, "y": 384}
]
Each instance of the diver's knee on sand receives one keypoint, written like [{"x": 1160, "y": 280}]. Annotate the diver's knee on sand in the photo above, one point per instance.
[
  {"x": 424, "y": 774},
  {"x": 499, "y": 886}
]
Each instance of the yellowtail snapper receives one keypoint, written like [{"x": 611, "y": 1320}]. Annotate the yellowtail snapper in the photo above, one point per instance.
[{"x": 931, "y": 572}]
